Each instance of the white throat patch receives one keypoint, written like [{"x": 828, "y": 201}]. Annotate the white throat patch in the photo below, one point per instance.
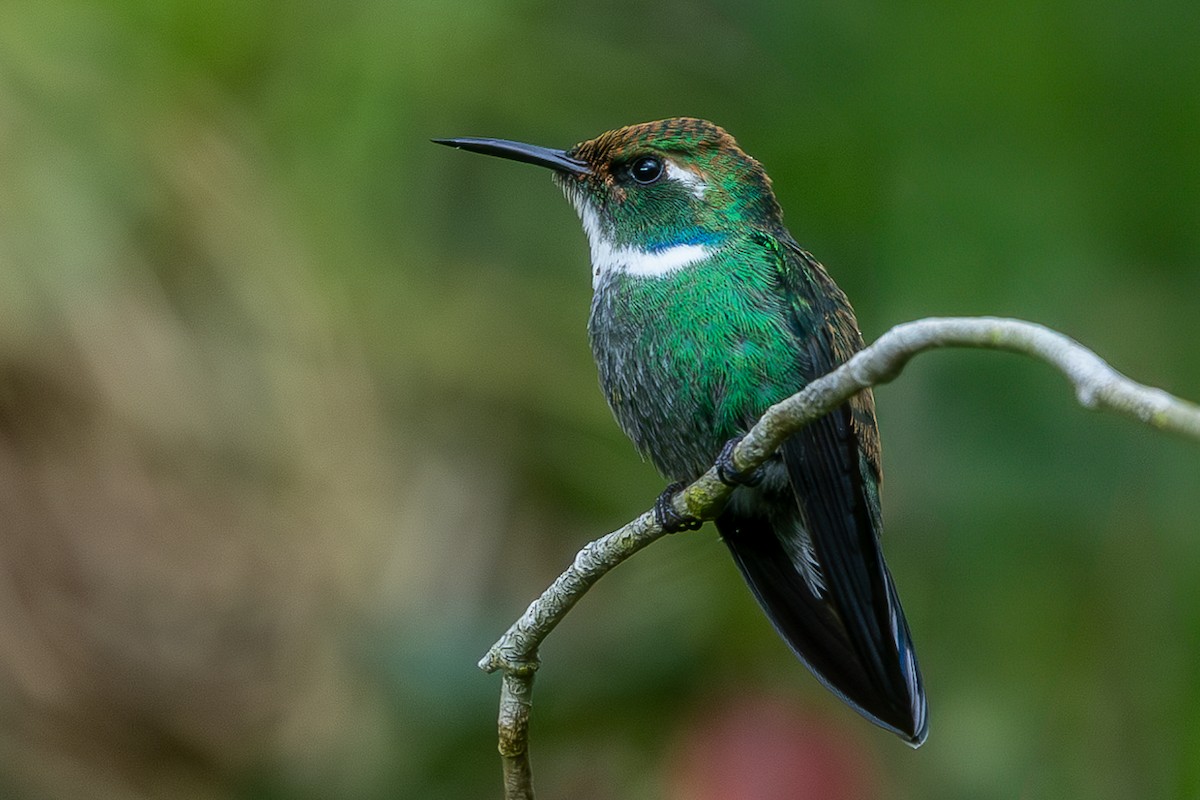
[{"x": 608, "y": 258}]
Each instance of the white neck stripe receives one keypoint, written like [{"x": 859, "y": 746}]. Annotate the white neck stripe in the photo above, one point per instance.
[
  {"x": 648, "y": 263},
  {"x": 608, "y": 258}
]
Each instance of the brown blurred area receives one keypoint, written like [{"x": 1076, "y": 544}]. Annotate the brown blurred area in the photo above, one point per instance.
[{"x": 192, "y": 466}]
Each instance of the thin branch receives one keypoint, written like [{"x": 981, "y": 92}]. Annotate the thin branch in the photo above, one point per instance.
[
  {"x": 515, "y": 699},
  {"x": 1097, "y": 386}
]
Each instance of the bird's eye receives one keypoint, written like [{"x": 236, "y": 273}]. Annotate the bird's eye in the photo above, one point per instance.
[{"x": 646, "y": 169}]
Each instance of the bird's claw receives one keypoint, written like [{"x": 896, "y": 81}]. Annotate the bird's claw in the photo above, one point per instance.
[
  {"x": 667, "y": 517},
  {"x": 731, "y": 475}
]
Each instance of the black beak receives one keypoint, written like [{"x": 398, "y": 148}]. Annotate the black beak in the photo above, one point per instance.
[{"x": 556, "y": 160}]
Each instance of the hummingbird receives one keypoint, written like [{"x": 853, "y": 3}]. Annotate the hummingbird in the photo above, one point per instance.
[{"x": 705, "y": 311}]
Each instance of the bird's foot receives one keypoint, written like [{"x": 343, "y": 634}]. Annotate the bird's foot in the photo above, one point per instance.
[
  {"x": 731, "y": 475},
  {"x": 666, "y": 515}
]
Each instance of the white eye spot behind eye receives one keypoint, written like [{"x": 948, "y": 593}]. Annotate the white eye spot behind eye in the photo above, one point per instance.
[{"x": 691, "y": 180}]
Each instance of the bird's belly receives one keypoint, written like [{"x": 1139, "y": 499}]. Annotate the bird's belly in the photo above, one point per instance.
[
  {"x": 680, "y": 398},
  {"x": 689, "y": 361},
  {"x": 668, "y": 418}
]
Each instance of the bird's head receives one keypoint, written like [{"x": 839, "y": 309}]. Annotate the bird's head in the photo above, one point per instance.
[{"x": 653, "y": 187}]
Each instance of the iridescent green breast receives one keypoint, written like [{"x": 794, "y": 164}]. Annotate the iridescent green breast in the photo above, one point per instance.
[{"x": 691, "y": 358}]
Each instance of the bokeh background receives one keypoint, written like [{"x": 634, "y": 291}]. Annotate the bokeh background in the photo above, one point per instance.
[{"x": 297, "y": 410}]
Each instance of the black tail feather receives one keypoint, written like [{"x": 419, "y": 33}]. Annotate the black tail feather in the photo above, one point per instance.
[{"x": 883, "y": 685}]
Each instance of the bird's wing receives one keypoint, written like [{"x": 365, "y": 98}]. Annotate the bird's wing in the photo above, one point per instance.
[{"x": 848, "y": 627}]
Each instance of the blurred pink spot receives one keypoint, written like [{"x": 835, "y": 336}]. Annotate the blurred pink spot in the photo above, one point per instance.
[{"x": 767, "y": 748}]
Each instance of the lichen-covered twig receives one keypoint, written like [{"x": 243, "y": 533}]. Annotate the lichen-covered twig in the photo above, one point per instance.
[{"x": 1097, "y": 386}]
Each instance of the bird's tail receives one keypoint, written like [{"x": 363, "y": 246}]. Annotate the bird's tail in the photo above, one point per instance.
[{"x": 875, "y": 673}]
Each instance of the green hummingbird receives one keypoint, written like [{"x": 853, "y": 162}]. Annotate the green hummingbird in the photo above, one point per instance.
[{"x": 705, "y": 312}]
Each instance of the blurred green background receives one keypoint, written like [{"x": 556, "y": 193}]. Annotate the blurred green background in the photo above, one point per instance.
[{"x": 297, "y": 410}]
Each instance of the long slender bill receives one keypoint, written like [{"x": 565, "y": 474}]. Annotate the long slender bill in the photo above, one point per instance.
[{"x": 519, "y": 151}]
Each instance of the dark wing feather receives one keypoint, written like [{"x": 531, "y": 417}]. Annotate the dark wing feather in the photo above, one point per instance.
[
  {"x": 822, "y": 465},
  {"x": 809, "y": 624},
  {"x": 853, "y": 636}
]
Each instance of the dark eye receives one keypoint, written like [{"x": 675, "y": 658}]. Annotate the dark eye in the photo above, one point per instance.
[{"x": 646, "y": 169}]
